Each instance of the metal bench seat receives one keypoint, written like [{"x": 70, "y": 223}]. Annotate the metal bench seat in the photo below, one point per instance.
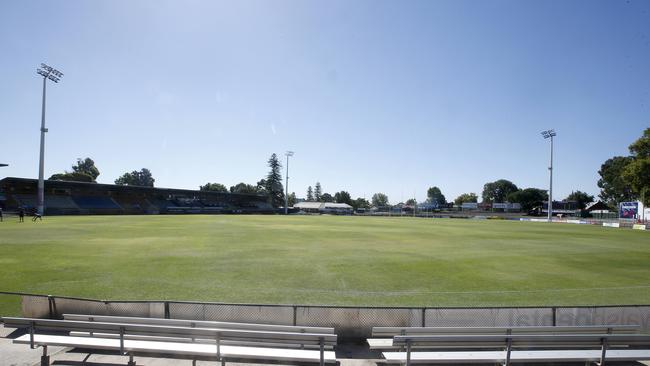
[
  {"x": 198, "y": 323},
  {"x": 516, "y": 356},
  {"x": 522, "y": 347},
  {"x": 285, "y": 341},
  {"x": 132, "y": 346},
  {"x": 382, "y": 336}
]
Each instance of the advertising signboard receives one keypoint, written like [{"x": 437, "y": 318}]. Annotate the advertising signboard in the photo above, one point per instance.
[{"x": 628, "y": 210}]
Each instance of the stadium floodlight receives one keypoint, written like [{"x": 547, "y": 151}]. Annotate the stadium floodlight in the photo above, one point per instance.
[
  {"x": 47, "y": 72},
  {"x": 286, "y": 184},
  {"x": 549, "y": 134}
]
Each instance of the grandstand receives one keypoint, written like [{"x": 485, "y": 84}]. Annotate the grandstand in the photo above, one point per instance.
[{"x": 79, "y": 198}]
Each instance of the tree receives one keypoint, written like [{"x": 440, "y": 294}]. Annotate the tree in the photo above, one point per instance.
[
  {"x": 466, "y": 197},
  {"x": 72, "y": 177},
  {"x": 84, "y": 171},
  {"x": 318, "y": 191},
  {"x": 326, "y": 197},
  {"x": 86, "y": 166},
  {"x": 581, "y": 198},
  {"x": 310, "y": 194},
  {"x": 529, "y": 198},
  {"x": 411, "y": 202},
  {"x": 379, "y": 200},
  {"x": 243, "y": 188},
  {"x": 637, "y": 172},
  {"x": 261, "y": 187},
  {"x": 274, "y": 182},
  {"x": 343, "y": 197},
  {"x": 614, "y": 188},
  {"x": 136, "y": 178},
  {"x": 213, "y": 187},
  {"x": 434, "y": 195},
  {"x": 360, "y": 203},
  {"x": 292, "y": 199},
  {"x": 498, "y": 191}
]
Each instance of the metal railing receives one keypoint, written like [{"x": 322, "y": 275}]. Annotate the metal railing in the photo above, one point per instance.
[{"x": 350, "y": 322}]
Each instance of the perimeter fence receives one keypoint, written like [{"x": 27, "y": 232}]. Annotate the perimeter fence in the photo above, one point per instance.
[{"x": 350, "y": 322}]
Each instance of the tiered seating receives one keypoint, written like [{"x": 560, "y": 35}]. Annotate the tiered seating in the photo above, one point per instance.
[{"x": 98, "y": 204}]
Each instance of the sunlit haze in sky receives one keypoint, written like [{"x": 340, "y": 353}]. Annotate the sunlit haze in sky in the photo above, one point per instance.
[{"x": 373, "y": 96}]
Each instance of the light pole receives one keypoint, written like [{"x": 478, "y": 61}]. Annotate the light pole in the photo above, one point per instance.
[
  {"x": 286, "y": 196},
  {"x": 46, "y": 72},
  {"x": 549, "y": 134}
]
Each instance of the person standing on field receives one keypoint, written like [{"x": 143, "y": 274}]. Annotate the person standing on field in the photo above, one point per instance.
[{"x": 21, "y": 214}]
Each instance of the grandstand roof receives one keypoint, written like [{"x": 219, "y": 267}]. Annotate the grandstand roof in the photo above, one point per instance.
[{"x": 115, "y": 187}]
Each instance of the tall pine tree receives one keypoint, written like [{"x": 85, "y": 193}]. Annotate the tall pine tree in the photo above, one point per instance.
[
  {"x": 310, "y": 194},
  {"x": 318, "y": 192},
  {"x": 273, "y": 183}
]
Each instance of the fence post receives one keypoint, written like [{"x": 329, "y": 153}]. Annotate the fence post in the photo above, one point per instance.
[
  {"x": 51, "y": 306},
  {"x": 166, "y": 310},
  {"x": 424, "y": 317},
  {"x": 554, "y": 310},
  {"x": 295, "y": 315}
]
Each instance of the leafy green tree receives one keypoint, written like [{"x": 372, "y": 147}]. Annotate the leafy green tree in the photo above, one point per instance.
[
  {"x": 498, "y": 191},
  {"x": 73, "y": 177},
  {"x": 213, "y": 187},
  {"x": 318, "y": 191},
  {"x": 581, "y": 198},
  {"x": 243, "y": 188},
  {"x": 411, "y": 202},
  {"x": 434, "y": 195},
  {"x": 261, "y": 187},
  {"x": 274, "y": 182},
  {"x": 528, "y": 198},
  {"x": 84, "y": 171},
  {"x": 637, "y": 172},
  {"x": 466, "y": 197},
  {"x": 310, "y": 194},
  {"x": 142, "y": 178},
  {"x": 614, "y": 188},
  {"x": 86, "y": 166},
  {"x": 343, "y": 197},
  {"x": 379, "y": 200},
  {"x": 326, "y": 197},
  {"x": 360, "y": 203},
  {"x": 292, "y": 199}
]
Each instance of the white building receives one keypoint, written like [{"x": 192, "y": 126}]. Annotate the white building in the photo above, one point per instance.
[{"x": 324, "y": 208}]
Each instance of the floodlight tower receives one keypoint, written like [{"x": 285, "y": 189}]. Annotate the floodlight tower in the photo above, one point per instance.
[
  {"x": 54, "y": 75},
  {"x": 286, "y": 196},
  {"x": 549, "y": 134}
]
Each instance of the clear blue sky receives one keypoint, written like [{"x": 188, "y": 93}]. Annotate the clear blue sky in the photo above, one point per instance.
[{"x": 373, "y": 96}]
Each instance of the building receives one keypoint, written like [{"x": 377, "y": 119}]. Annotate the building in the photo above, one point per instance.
[
  {"x": 79, "y": 198},
  {"x": 324, "y": 208}
]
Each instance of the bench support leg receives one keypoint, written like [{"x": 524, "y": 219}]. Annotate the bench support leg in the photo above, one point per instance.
[
  {"x": 45, "y": 359},
  {"x": 131, "y": 361}
]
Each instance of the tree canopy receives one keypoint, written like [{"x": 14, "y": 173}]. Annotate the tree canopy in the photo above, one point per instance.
[
  {"x": 379, "y": 200},
  {"x": 343, "y": 197},
  {"x": 614, "y": 188},
  {"x": 360, "y": 203},
  {"x": 529, "y": 198},
  {"x": 84, "y": 171},
  {"x": 637, "y": 172},
  {"x": 142, "y": 178},
  {"x": 273, "y": 183},
  {"x": 310, "y": 194},
  {"x": 243, "y": 188},
  {"x": 581, "y": 198},
  {"x": 318, "y": 191},
  {"x": 213, "y": 187},
  {"x": 466, "y": 197},
  {"x": 326, "y": 197},
  {"x": 498, "y": 191},
  {"x": 435, "y": 196}
]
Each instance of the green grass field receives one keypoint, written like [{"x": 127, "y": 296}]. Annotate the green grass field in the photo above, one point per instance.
[{"x": 325, "y": 260}]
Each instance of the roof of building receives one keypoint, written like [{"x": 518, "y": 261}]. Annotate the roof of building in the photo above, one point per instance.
[
  {"x": 322, "y": 205},
  {"x": 308, "y": 205}
]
